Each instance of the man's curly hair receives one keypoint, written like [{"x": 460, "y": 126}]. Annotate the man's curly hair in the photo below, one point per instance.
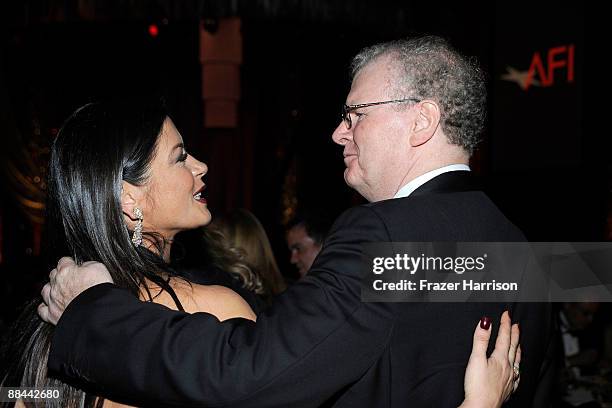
[{"x": 430, "y": 68}]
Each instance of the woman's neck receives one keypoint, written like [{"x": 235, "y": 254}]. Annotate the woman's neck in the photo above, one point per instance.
[{"x": 167, "y": 247}]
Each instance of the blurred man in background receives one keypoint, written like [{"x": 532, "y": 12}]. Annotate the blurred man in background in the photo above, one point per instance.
[{"x": 305, "y": 235}]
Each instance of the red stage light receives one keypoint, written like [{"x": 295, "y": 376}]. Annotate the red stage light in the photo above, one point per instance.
[{"x": 153, "y": 30}]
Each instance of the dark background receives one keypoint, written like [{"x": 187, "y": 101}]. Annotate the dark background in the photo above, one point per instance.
[{"x": 537, "y": 162}]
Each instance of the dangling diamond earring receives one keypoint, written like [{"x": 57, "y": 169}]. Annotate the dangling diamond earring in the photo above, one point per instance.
[{"x": 137, "y": 237}]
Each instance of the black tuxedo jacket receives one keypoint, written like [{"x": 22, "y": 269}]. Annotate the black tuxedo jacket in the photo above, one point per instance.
[{"x": 318, "y": 344}]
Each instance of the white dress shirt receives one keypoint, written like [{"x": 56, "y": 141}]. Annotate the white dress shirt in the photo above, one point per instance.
[{"x": 412, "y": 185}]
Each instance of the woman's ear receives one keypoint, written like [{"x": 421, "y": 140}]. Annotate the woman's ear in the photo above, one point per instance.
[{"x": 130, "y": 197}]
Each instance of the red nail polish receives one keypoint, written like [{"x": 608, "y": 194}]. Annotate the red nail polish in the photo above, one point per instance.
[{"x": 485, "y": 322}]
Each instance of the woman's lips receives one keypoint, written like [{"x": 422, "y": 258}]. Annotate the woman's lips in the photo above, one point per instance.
[{"x": 199, "y": 195}]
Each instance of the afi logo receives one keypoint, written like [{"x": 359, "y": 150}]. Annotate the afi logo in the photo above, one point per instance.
[{"x": 541, "y": 71}]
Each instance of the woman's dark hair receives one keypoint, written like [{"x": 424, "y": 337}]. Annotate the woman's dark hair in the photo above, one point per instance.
[{"x": 100, "y": 146}]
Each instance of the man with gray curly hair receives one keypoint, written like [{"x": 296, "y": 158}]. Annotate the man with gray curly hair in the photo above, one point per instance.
[
  {"x": 413, "y": 117},
  {"x": 415, "y": 106}
]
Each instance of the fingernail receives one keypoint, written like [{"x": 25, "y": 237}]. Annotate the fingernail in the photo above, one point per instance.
[{"x": 485, "y": 322}]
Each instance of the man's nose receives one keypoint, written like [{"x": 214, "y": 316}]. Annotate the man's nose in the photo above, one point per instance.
[{"x": 342, "y": 135}]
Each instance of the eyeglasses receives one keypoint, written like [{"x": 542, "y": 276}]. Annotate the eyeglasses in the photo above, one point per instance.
[{"x": 348, "y": 109}]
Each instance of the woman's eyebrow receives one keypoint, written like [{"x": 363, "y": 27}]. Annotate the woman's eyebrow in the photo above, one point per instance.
[
  {"x": 181, "y": 145},
  {"x": 178, "y": 145}
]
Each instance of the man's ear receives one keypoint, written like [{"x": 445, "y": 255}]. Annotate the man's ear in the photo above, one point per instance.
[
  {"x": 130, "y": 197},
  {"x": 426, "y": 123}
]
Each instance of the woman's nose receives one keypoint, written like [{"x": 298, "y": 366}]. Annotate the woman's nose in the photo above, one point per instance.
[{"x": 198, "y": 168}]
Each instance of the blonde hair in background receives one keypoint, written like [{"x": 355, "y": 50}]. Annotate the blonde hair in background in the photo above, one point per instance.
[
  {"x": 244, "y": 232},
  {"x": 226, "y": 257}
]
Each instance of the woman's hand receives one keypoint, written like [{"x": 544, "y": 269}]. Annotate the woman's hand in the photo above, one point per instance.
[{"x": 489, "y": 382}]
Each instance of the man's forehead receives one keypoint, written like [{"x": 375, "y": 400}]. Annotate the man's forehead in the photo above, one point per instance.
[
  {"x": 297, "y": 230},
  {"x": 372, "y": 81},
  {"x": 299, "y": 234}
]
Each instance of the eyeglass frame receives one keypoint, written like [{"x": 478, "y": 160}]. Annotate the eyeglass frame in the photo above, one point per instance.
[{"x": 347, "y": 109}]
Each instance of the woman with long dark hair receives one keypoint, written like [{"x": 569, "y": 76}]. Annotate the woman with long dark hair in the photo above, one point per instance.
[{"x": 121, "y": 186}]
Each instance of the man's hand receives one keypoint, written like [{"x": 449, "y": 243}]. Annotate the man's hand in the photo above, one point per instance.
[{"x": 67, "y": 281}]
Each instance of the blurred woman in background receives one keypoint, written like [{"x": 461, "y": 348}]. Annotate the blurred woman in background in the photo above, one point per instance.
[{"x": 244, "y": 231}]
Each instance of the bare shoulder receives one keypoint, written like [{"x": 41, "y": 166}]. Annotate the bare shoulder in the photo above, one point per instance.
[
  {"x": 111, "y": 404},
  {"x": 219, "y": 301}
]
